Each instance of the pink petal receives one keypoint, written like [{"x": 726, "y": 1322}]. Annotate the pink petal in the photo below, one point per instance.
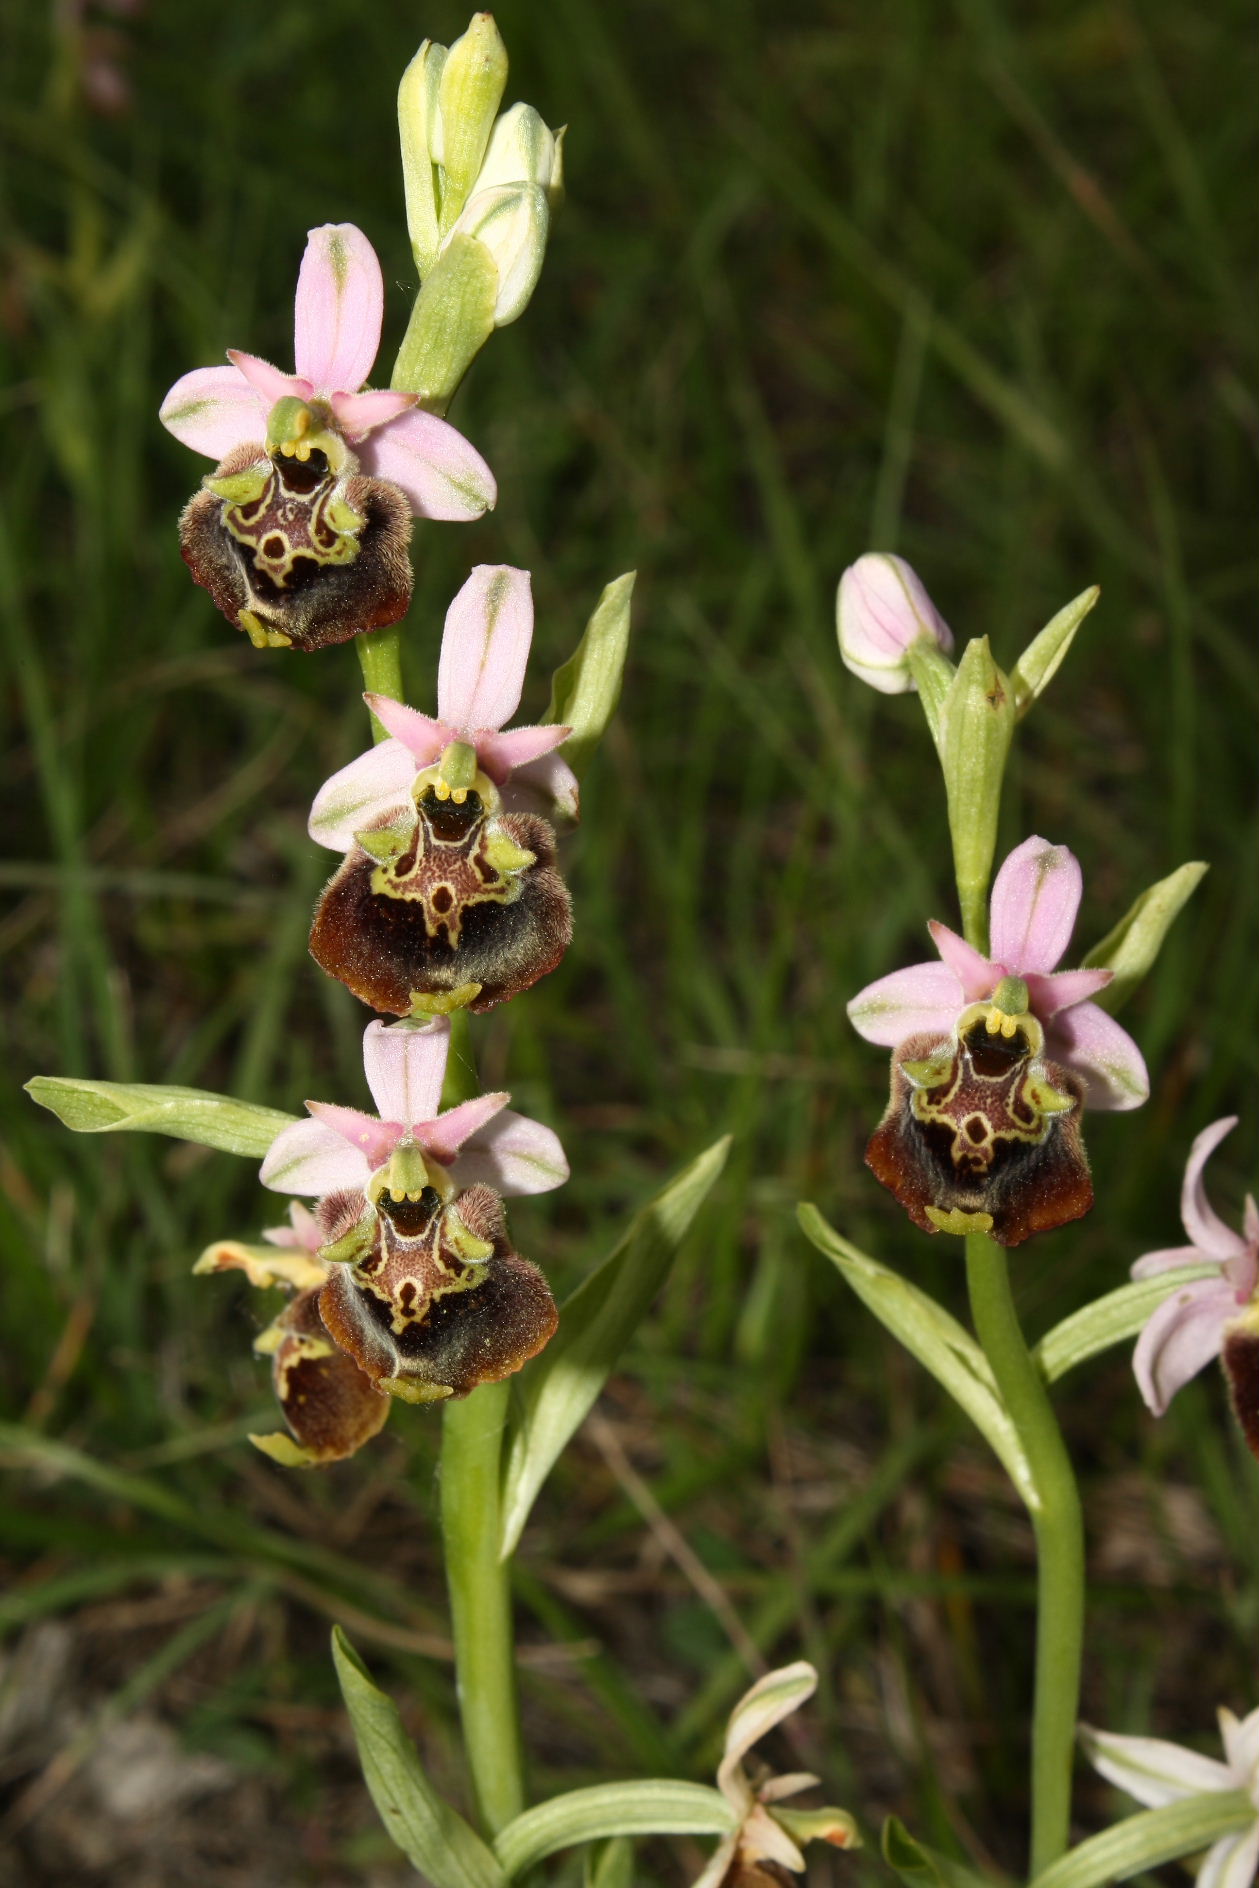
[
  {"x": 267, "y": 381},
  {"x": 1061, "y": 989},
  {"x": 371, "y": 791},
  {"x": 311, "y": 1157},
  {"x": 423, "y": 738},
  {"x": 513, "y": 1155},
  {"x": 338, "y": 310},
  {"x": 925, "y": 997},
  {"x": 485, "y": 646},
  {"x": 1094, "y": 1047},
  {"x": 1184, "y": 1333},
  {"x": 501, "y": 754},
  {"x": 358, "y": 413},
  {"x": 446, "y": 1135},
  {"x": 374, "y": 1139},
  {"x": 1034, "y": 901},
  {"x": 1151, "y": 1264},
  {"x": 1200, "y": 1220},
  {"x": 975, "y": 973},
  {"x": 440, "y": 473},
  {"x": 405, "y": 1065},
  {"x": 548, "y": 786},
  {"x": 214, "y": 410}
]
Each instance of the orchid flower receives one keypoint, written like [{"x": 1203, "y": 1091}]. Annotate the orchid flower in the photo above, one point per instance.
[
  {"x": 882, "y": 609},
  {"x": 994, "y": 1059},
  {"x": 1157, "y": 1773},
  {"x": 1207, "y": 1317},
  {"x": 301, "y": 533},
  {"x": 480, "y": 1141},
  {"x": 448, "y": 896},
  {"x": 766, "y": 1843},
  {"x": 481, "y": 671}
]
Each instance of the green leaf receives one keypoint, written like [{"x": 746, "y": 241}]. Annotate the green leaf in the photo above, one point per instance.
[
  {"x": 924, "y": 1867},
  {"x": 935, "y": 1338},
  {"x": 586, "y": 688},
  {"x": 653, "y": 1806},
  {"x": 1110, "y": 1320},
  {"x": 189, "y": 1114},
  {"x": 610, "y": 1864},
  {"x": 1154, "y": 1836},
  {"x": 1131, "y": 948},
  {"x": 425, "y": 1827},
  {"x": 1043, "y": 656},
  {"x": 595, "y": 1324}
]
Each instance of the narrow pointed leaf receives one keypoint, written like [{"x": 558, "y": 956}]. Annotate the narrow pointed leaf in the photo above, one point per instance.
[
  {"x": 1143, "y": 1841},
  {"x": 1043, "y": 656},
  {"x": 1120, "y": 1315},
  {"x": 189, "y": 1114},
  {"x": 429, "y": 1832},
  {"x": 596, "y": 1323},
  {"x": 924, "y": 1867},
  {"x": 652, "y": 1806},
  {"x": 610, "y": 1864},
  {"x": 1131, "y": 948},
  {"x": 586, "y": 688},
  {"x": 935, "y": 1338}
]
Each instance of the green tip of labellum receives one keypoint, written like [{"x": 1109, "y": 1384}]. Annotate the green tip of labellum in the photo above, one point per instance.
[
  {"x": 1011, "y": 997},
  {"x": 457, "y": 768},
  {"x": 956, "y": 1221},
  {"x": 411, "y": 1391},
  {"x": 443, "y": 1002},
  {"x": 285, "y": 1451}
]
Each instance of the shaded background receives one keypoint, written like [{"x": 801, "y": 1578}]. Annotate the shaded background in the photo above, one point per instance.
[{"x": 969, "y": 281}]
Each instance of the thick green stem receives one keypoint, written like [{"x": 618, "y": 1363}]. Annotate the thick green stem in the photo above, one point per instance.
[
  {"x": 480, "y": 1601},
  {"x": 1059, "y": 1528},
  {"x": 380, "y": 659}
]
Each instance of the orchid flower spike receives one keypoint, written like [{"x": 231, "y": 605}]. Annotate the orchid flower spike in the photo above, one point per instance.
[
  {"x": 1158, "y": 1773},
  {"x": 421, "y": 1287},
  {"x": 1206, "y": 1317},
  {"x": 301, "y": 532},
  {"x": 448, "y": 894},
  {"x": 765, "y": 1846},
  {"x": 881, "y": 611},
  {"x": 995, "y": 1057}
]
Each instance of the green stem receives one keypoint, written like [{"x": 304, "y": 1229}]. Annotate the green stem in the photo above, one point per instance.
[
  {"x": 480, "y": 1601},
  {"x": 380, "y": 659},
  {"x": 1059, "y": 1528}
]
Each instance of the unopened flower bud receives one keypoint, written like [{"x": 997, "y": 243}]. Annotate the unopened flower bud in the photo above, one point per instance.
[
  {"x": 512, "y": 221},
  {"x": 469, "y": 95},
  {"x": 882, "y": 611}
]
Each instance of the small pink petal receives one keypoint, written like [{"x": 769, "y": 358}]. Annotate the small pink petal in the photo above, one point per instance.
[
  {"x": 446, "y": 1135},
  {"x": 310, "y": 1157},
  {"x": 268, "y": 382},
  {"x": 358, "y": 413},
  {"x": 1200, "y": 1220},
  {"x": 370, "y": 791},
  {"x": 303, "y": 1230},
  {"x": 923, "y": 998},
  {"x": 405, "y": 1065},
  {"x": 1180, "y": 1337},
  {"x": 514, "y": 1155},
  {"x": 374, "y": 1139},
  {"x": 977, "y": 976},
  {"x": 440, "y": 473},
  {"x": 501, "y": 754},
  {"x": 1104, "y": 1056},
  {"x": 485, "y": 646},
  {"x": 1168, "y": 1259},
  {"x": 423, "y": 738},
  {"x": 214, "y": 410},
  {"x": 1035, "y": 899},
  {"x": 1061, "y": 989},
  {"x": 548, "y": 786},
  {"x": 339, "y": 307}
]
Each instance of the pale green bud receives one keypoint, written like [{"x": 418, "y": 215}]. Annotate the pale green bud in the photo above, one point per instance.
[
  {"x": 469, "y": 94},
  {"x": 522, "y": 151},
  {"x": 976, "y": 729},
  {"x": 418, "y": 122},
  {"x": 512, "y": 222}
]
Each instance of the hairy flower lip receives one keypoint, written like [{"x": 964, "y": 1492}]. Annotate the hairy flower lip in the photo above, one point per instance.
[{"x": 1035, "y": 898}]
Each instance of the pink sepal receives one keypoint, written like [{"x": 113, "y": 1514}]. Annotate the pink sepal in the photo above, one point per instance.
[
  {"x": 405, "y": 1065},
  {"x": 311, "y": 1157},
  {"x": 446, "y": 1135},
  {"x": 501, "y": 754},
  {"x": 1180, "y": 1337},
  {"x": 357, "y": 413},
  {"x": 1103, "y": 1055},
  {"x": 374, "y": 1139},
  {"x": 338, "y": 308},
  {"x": 922, "y": 998},
  {"x": 441, "y": 474},
  {"x": 1062, "y": 989},
  {"x": 1203, "y": 1224},
  {"x": 1151, "y": 1264},
  {"x": 269, "y": 382},
  {"x": 1035, "y": 898},
  {"x": 370, "y": 791},
  {"x": 514, "y": 1155},
  {"x": 976, "y": 976},
  {"x": 485, "y": 646},
  {"x": 214, "y": 410},
  {"x": 547, "y": 786}
]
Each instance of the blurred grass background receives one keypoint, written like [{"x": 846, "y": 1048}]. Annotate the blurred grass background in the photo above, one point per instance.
[{"x": 969, "y": 281}]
